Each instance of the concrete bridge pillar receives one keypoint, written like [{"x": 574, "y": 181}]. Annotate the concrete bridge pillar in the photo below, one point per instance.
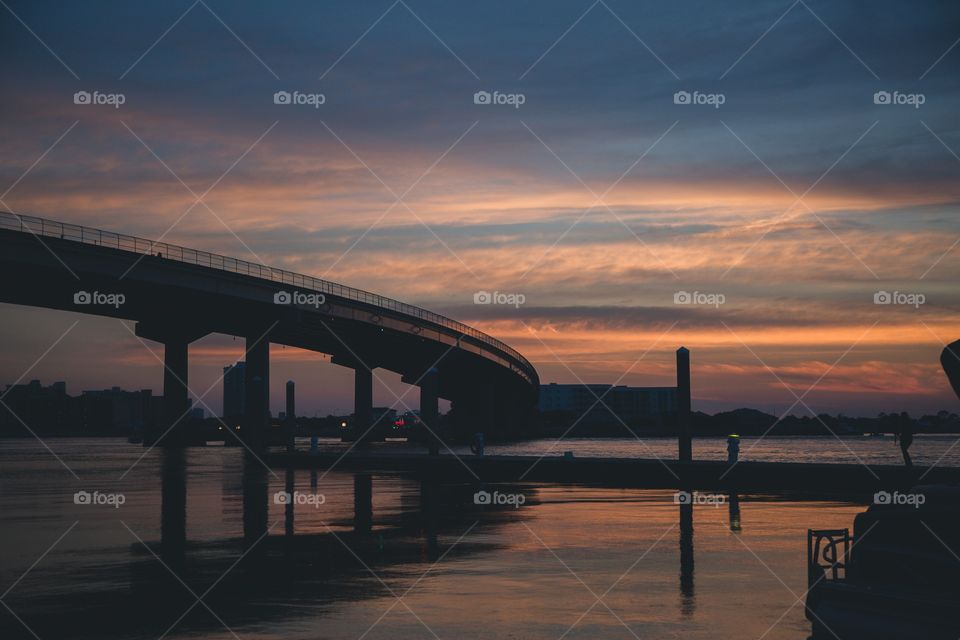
[
  {"x": 290, "y": 419},
  {"x": 429, "y": 409},
  {"x": 176, "y": 402},
  {"x": 256, "y": 422},
  {"x": 472, "y": 410},
  {"x": 362, "y": 403},
  {"x": 175, "y": 339}
]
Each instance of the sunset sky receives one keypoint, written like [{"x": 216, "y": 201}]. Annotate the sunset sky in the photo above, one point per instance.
[{"x": 598, "y": 199}]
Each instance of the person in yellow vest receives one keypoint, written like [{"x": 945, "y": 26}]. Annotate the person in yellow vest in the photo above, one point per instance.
[{"x": 733, "y": 448}]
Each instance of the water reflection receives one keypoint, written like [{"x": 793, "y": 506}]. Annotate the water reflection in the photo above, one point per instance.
[
  {"x": 306, "y": 582},
  {"x": 180, "y": 586},
  {"x": 362, "y": 502},
  {"x": 173, "y": 505},
  {"x": 429, "y": 506},
  {"x": 687, "y": 599},
  {"x": 288, "y": 488},
  {"x": 733, "y": 500},
  {"x": 255, "y": 500}
]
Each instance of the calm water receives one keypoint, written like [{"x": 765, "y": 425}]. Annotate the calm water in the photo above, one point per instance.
[
  {"x": 588, "y": 562},
  {"x": 940, "y": 450}
]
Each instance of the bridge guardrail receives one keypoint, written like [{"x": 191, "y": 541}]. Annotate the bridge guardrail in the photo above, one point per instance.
[{"x": 88, "y": 235}]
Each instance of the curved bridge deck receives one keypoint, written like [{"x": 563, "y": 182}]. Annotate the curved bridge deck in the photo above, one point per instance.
[{"x": 178, "y": 294}]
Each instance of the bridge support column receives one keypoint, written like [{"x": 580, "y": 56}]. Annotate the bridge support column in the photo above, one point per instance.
[
  {"x": 175, "y": 339},
  {"x": 362, "y": 403},
  {"x": 290, "y": 419},
  {"x": 256, "y": 393},
  {"x": 429, "y": 409},
  {"x": 685, "y": 443},
  {"x": 176, "y": 404}
]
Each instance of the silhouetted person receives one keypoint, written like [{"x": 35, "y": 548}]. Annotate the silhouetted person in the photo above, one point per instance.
[
  {"x": 477, "y": 445},
  {"x": 733, "y": 449},
  {"x": 906, "y": 439}
]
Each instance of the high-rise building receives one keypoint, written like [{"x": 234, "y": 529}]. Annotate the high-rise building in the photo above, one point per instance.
[
  {"x": 118, "y": 411},
  {"x": 233, "y": 390},
  {"x": 33, "y": 407}
]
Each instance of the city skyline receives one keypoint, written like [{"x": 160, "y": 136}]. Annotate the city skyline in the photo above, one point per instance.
[{"x": 819, "y": 182}]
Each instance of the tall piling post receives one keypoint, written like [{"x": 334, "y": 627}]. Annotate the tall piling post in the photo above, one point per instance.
[{"x": 683, "y": 405}]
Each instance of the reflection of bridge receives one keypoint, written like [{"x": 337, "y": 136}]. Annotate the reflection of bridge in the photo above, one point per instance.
[
  {"x": 177, "y": 295},
  {"x": 281, "y": 571}
]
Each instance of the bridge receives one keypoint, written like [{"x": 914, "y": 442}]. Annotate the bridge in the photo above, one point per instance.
[{"x": 176, "y": 295}]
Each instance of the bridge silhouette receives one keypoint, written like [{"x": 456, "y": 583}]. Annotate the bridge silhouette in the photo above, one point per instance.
[{"x": 176, "y": 295}]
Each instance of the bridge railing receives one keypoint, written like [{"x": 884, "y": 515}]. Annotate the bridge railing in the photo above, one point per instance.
[{"x": 87, "y": 235}]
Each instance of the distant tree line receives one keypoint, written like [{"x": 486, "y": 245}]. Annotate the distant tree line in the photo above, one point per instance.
[{"x": 751, "y": 422}]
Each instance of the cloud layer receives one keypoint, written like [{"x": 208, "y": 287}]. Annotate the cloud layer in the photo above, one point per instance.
[{"x": 797, "y": 199}]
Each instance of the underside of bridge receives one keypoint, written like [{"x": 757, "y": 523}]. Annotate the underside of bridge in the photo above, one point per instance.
[{"x": 173, "y": 302}]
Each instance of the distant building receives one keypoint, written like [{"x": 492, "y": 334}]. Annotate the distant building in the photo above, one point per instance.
[
  {"x": 633, "y": 406},
  {"x": 118, "y": 411},
  {"x": 233, "y": 390},
  {"x": 50, "y": 411},
  {"x": 41, "y": 409}
]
